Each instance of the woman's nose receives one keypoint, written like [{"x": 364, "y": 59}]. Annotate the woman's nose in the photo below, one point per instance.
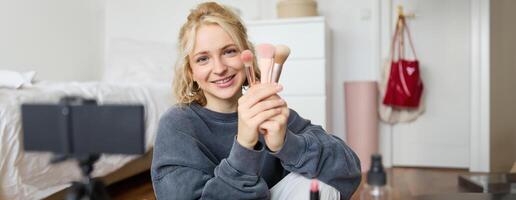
[{"x": 219, "y": 67}]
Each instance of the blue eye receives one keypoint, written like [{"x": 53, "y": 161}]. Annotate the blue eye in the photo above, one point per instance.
[
  {"x": 201, "y": 59},
  {"x": 230, "y": 52}
]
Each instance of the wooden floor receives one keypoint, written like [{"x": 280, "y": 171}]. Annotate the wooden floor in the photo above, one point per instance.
[
  {"x": 405, "y": 183},
  {"x": 138, "y": 187},
  {"x": 408, "y": 183}
]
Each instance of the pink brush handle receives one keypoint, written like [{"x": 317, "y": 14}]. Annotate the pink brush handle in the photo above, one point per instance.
[
  {"x": 249, "y": 75},
  {"x": 249, "y": 72},
  {"x": 265, "y": 65}
]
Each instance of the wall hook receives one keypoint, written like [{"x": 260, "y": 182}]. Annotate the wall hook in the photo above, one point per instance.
[{"x": 407, "y": 15}]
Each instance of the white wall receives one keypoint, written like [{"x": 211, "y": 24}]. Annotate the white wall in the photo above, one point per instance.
[
  {"x": 59, "y": 39},
  {"x": 160, "y": 20},
  {"x": 352, "y": 56}
]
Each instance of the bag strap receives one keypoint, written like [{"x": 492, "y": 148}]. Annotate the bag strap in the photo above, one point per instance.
[
  {"x": 394, "y": 37},
  {"x": 401, "y": 26},
  {"x": 409, "y": 36}
]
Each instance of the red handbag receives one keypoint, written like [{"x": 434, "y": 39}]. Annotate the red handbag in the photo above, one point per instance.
[{"x": 404, "y": 87}]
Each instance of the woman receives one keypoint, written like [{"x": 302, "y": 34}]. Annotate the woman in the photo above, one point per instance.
[{"x": 218, "y": 143}]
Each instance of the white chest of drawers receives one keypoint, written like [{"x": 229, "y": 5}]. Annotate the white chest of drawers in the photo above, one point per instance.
[{"x": 306, "y": 73}]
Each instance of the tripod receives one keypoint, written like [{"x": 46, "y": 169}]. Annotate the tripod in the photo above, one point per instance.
[
  {"x": 88, "y": 188},
  {"x": 76, "y": 120}
]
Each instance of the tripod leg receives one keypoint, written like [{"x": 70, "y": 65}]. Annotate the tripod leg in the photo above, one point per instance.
[
  {"x": 76, "y": 191},
  {"x": 98, "y": 191}
]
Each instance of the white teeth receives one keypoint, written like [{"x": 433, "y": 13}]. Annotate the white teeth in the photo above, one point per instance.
[{"x": 223, "y": 80}]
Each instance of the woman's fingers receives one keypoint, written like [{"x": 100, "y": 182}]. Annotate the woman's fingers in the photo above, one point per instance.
[
  {"x": 280, "y": 118},
  {"x": 274, "y": 134},
  {"x": 270, "y": 126},
  {"x": 258, "y": 93},
  {"x": 265, "y": 105},
  {"x": 263, "y": 116}
]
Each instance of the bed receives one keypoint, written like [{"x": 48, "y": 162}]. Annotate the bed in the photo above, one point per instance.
[{"x": 28, "y": 175}]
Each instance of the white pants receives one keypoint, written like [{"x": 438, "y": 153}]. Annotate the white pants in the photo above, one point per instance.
[{"x": 295, "y": 186}]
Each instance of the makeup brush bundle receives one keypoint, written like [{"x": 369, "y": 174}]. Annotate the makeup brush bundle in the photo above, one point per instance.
[{"x": 270, "y": 62}]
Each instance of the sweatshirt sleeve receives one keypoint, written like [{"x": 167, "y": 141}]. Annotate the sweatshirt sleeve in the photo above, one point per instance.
[
  {"x": 182, "y": 168},
  {"x": 310, "y": 151}
]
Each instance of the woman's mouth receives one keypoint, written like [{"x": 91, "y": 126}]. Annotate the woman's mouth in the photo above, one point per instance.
[{"x": 225, "y": 82}]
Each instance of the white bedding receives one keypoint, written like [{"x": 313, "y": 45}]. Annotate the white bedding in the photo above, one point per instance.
[{"x": 27, "y": 175}]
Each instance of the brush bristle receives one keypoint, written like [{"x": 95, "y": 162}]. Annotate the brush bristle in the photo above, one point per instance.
[
  {"x": 247, "y": 56},
  {"x": 265, "y": 50},
  {"x": 281, "y": 54}
]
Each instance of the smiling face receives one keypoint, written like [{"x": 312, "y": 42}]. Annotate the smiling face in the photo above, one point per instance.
[{"x": 216, "y": 66}]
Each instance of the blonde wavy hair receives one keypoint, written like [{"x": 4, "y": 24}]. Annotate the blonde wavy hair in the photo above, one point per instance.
[{"x": 186, "y": 89}]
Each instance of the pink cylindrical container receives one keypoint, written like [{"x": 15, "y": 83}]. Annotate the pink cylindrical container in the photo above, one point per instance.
[{"x": 361, "y": 106}]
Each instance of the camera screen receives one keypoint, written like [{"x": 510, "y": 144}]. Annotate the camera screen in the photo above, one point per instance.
[{"x": 84, "y": 129}]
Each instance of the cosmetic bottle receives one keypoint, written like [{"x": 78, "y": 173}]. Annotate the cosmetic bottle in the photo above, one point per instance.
[{"x": 376, "y": 187}]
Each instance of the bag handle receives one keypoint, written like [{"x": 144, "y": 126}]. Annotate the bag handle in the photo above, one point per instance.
[{"x": 401, "y": 26}]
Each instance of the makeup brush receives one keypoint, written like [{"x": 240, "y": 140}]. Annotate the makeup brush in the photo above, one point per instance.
[
  {"x": 247, "y": 58},
  {"x": 280, "y": 56},
  {"x": 265, "y": 61}
]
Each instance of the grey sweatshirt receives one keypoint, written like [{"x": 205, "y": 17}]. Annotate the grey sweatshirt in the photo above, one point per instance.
[{"x": 196, "y": 156}]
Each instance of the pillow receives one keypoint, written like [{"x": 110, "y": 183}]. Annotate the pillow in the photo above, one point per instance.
[
  {"x": 130, "y": 60},
  {"x": 15, "y": 80}
]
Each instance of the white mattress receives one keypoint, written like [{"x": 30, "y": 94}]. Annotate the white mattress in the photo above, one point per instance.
[{"x": 28, "y": 175}]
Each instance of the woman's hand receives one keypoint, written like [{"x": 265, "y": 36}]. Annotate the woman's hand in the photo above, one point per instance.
[
  {"x": 275, "y": 128},
  {"x": 254, "y": 108}
]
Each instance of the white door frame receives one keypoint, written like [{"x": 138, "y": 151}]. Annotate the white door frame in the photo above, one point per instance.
[
  {"x": 381, "y": 37},
  {"x": 479, "y": 94},
  {"x": 480, "y": 64}
]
